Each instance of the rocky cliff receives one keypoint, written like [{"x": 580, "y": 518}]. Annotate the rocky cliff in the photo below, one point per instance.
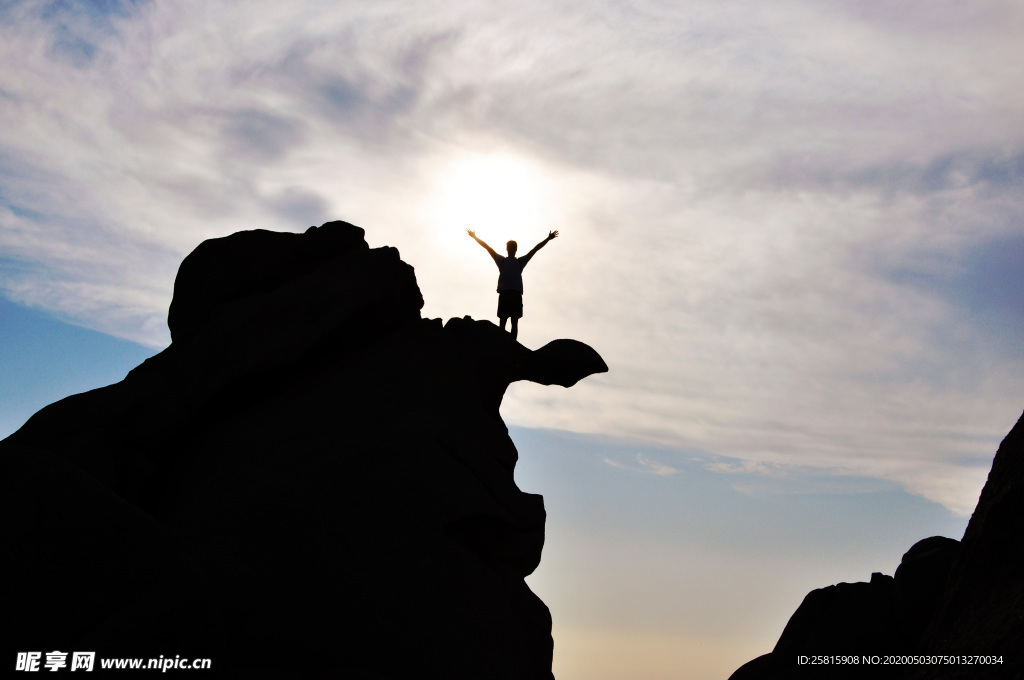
[
  {"x": 962, "y": 601},
  {"x": 311, "y": 480}
]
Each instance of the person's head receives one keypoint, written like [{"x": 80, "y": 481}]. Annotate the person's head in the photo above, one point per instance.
[{"x": 511, "y": 248}]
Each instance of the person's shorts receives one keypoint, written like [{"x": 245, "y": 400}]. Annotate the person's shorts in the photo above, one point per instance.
[{"x": 510, "y": 304}]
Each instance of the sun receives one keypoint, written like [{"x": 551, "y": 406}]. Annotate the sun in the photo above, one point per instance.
[{"x": 499, "y": 195}]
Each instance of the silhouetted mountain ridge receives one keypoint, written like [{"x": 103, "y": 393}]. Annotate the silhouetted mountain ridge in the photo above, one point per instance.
[
  {"x": 311, "y": 480},
  {"x": 957, "y": 604}
]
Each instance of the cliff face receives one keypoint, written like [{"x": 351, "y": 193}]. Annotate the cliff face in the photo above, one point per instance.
[
  {"x": 310, "y": 479},
  {"x": 982, "y": 608}
]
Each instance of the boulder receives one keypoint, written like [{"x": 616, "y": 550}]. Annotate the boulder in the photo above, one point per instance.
[{"x": 886, "y": 616}]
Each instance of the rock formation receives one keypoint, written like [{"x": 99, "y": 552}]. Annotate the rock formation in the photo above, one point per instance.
[
  {"x": 949, "y": 598},
  {"x": 311, "y": 480},
  {"x": 981, "y": 611}
]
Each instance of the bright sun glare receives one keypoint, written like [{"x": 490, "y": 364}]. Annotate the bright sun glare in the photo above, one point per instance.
[{"x": 498, "y": 195}]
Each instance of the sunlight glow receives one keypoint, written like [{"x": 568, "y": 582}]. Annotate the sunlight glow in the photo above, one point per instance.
[{"x": 499, "y": 195}]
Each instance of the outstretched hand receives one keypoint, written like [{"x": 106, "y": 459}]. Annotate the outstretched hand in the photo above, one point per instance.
[
  {"x": 471, "y": 233},
  {"x": 552, "y": 234}
]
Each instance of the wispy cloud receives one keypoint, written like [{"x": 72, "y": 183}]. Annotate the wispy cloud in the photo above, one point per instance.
[
  {"x": 656, "y": 467},
  {"x": 788, "y": 228},
  {"x": 643, "y": 463}
]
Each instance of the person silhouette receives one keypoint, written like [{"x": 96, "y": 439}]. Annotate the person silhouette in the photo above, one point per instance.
[{"x": 510, "y": 279}]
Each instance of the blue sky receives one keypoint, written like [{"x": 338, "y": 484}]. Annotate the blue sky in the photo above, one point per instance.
[
  {"x": 793, "y": 230},
  {"x": 46, "y": 359},
  {"x": 690, "y": 574}
]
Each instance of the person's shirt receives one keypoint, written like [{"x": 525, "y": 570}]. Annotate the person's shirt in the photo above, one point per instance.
[{"x": 510, "y": 275}]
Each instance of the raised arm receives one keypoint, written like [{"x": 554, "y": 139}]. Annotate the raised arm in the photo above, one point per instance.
[
  {"x": 497, "y": 258},
  {"x": 526, "y": 258}
]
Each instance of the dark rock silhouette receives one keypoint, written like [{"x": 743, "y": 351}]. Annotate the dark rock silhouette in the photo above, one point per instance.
[
  {"x": 920, "y": 583},
  {"x": 311, "y": 480},
  {"x": 982, "y": 608},
  {"x": 952, "y": 598},
  {"x": 886, "y": 616}
]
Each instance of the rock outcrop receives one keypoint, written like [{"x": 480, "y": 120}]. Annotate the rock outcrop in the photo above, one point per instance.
[
  {"x": 310, "y": 481},
  {"x": 948, "y": 598},
  {"x": 982, "y": 608}
]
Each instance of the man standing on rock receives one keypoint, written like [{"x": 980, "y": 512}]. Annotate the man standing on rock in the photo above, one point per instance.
[{"x": 510, "y": 279}]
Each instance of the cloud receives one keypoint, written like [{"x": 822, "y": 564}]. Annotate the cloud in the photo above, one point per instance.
[
  {"x": 260, "y": 136},
  {"x": 640, "y": 462},
  {"x": 655, "y": 467},
  {"x": 790, "y": 229}
]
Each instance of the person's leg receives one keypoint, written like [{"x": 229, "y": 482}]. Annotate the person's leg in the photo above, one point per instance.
[
  {"x": 515, "y": 327},
  {"x": 505, "y": 319}
]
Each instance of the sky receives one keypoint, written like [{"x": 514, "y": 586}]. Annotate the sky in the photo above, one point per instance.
[{"x": 791, "y": 228}]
